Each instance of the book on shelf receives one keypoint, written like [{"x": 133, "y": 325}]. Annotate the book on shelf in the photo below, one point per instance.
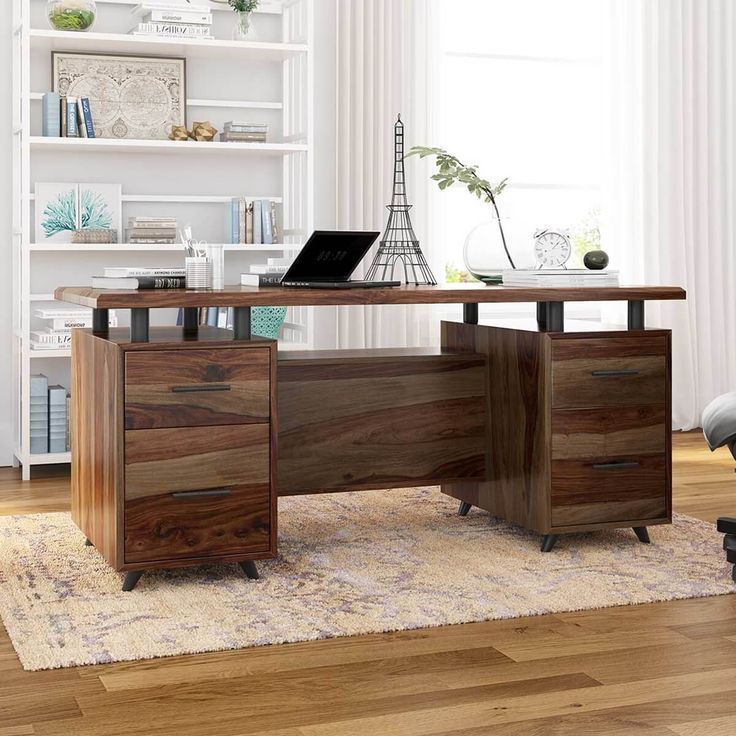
[
  {"x": 266, "y": 231},
  {"x": 39, "y": 413},
  {"x": 561, "y": 277},
  {"x": 62, "y": 312},
  {"x": 51, "y": 112},
  {"x": 152, "y": 232},
  {"x": 147, "y": 5},
  {"x": 226, "y": 137},
  {"x": 64, "y": 324},
  {"x": 57, "y": 419},
  {"x": 244, "y": 126},
  {"x": 138, "y": 282},
  {"x": 257, "y": 221},
  {"x": 52, "y": 338},
  {"x": 249, "y": 223},
  {"x": 261, "y": 279},
  {"x": 122, "y": 272},
  {"x": 176, "y": 30},
  {"x": 72, "y": 129},
  {"x": 84, "y": 118},
  {"x": 278, "y": 262},
  {"x": 176, "y": 15}
]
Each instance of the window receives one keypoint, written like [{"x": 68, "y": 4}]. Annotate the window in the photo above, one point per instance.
[{"x": 521, "y": 96}]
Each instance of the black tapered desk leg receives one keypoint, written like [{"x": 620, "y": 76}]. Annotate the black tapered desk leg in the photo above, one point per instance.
[
  {"x": 542, "y": 316},
  {"x": 551, "y": 316},
  {"x": 139, "y": 325},
  {"x": 464, "y": 508},
  {"x": 100, "y": 320},
  {"x": 131, "y": 580},
  {"x": 88, "y": 542},
  {"x": 191, "y": 319},
  {"x": 250, "y": 569},
  {"x": 470, "y": 314},
  {"x": 642, "y": 534},
  {"x": 549, "y": 542},
  {"x": 636, "y": 315},
  {"x": 241, "y": 323}
]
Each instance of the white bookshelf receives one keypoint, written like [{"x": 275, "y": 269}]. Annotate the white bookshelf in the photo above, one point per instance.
[{"x": 269, "y": 79}]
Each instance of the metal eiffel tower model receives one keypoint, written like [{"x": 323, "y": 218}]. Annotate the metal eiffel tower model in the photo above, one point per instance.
[{"x": 399, "y": 243}]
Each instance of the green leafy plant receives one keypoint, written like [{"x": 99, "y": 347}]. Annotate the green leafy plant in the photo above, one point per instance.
[
  {"x": 450, "y": 170},
  {"x": 71, "y": 19},
  {"x": 243, "y": 6}
]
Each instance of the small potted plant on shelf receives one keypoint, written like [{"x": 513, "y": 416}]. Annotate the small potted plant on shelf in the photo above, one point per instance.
[
  {"x": 71, "y": 15},
  {"x": 244, "y": 28}
]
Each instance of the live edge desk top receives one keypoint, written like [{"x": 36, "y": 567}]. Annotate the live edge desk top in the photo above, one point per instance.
[{"x": 250, "y": 296}]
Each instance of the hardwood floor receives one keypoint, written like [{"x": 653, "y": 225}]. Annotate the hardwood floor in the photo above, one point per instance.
[{"x": 664, "y": 668}]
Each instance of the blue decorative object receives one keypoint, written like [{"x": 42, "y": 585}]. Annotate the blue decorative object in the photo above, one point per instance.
[{"x": 267, "y": 321}]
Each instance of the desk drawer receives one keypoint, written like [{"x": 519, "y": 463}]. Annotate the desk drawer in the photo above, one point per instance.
[
  {"x": 609, "y": 372},
  {"x": 197, "y": 491},
  {"x": 609, "y": 489},
  {"x": 189, "y": 388},
  {"x": 609, "y": 432}
]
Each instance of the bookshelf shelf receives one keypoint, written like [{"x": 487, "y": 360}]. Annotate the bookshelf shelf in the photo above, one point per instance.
[
  {"x": 105, "y": 145},
  {"x": 269, "y": 80},
  {"x": 153, "y": 248},
  {"x": 123, "y": 43}
]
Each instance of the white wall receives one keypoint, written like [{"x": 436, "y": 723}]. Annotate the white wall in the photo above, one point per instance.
[{"x": 6, "y": 291}]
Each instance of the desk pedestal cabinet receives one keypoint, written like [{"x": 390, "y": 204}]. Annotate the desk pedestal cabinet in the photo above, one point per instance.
[
  {"x": 174, "y": 456},
  {"x": 579, "y": 428}
]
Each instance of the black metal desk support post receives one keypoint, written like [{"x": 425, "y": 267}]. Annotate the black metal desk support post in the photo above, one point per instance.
[
  {"x": 241, "y": 323},
  {"x": 551, "y": 316},
  {"x": 190, "y": 320},
  {"x": 100, "y": 320},
  {"x": 139, "y": 325},
  {"x": 636, "y": 315},
  {"x": 470, "y": 314}
]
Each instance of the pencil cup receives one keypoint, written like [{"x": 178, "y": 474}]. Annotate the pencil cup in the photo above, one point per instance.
[
  {"x": 198, "y": 273},
  {"x": 216, "y": 253}
]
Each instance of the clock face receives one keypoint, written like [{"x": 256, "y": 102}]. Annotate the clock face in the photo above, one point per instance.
[{"x": 551, "y": 248}]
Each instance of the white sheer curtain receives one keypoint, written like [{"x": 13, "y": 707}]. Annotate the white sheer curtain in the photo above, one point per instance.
[
  {"x": 671, "y": 191},
  {"x": 384, "y": 67}
]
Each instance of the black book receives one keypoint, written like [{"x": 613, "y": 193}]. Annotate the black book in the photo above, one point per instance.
[{"x": 139, "y": 282}]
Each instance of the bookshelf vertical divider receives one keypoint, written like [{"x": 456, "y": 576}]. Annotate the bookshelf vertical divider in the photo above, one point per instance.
[{"x": 283, "y": 168}]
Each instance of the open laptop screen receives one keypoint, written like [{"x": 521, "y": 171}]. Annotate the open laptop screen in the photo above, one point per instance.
[{"x": 330, "y": 255}]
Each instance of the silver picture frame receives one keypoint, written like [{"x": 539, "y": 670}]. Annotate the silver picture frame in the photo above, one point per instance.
[{"x": 131, "y": 97}]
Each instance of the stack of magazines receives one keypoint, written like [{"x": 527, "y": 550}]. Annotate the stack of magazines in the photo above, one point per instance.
[
  {"x": 171, "y": 19},
  {"x": 150, "y": 230},
  {"x": 559, "y": 277},
  {"x": 243, "y": 132}
]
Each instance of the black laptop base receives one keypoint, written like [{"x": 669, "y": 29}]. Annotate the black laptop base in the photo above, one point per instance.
[{"x": 340, "y": 284}]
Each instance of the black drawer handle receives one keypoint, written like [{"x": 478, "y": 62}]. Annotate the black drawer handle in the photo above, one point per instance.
[
  {"x": 201, "y": 387},
  {"x": 207, "y": 493},
  {"x": 608, "y": 374},
  {"x": 615, "y": 466}
]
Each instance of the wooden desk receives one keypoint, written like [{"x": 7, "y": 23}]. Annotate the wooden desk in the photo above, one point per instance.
[{"x": 559, "y": 431}]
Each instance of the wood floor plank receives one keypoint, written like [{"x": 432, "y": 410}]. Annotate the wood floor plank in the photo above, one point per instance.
[{"x": 709, "y": 727}]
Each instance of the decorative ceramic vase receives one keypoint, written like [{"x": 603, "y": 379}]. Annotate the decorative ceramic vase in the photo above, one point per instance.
[
  {"x": 244, "y": 27},
  {"x": 483, "y": 252},
  {"x": 71, "y": 15}
]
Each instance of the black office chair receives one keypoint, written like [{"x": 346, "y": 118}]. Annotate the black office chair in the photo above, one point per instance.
[{"x": 719, "y": 429}]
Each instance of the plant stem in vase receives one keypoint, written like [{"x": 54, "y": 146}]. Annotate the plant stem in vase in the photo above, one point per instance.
[{"x": 244, "y": 27}]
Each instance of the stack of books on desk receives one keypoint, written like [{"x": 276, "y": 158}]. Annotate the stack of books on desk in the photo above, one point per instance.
[
  {"x": 266, "y": 274},
  {"x": 244, "y": 132},
  {"x": 152, "y": 230},
  {"x": 173, "y": 20},
  {"x": 559, "y": 277},
  {"x": 140, "y": 278}
]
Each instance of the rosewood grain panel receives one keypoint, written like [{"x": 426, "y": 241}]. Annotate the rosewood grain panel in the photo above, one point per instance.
[
  {"x": 582, "y": 433},
  {"x": 159, "y": 461},
  {"x": 631, "y": 512},
  {"x": 97, "y": 443},
  {"x": 518, "y": 447},
  {"x": 619, "y": 381},
  {"x": 196, "y": 387},
  {"x": 243, "y": 296},
  {"x": 233, "y": 521},
  {"x": 644, "y": 342},
  {"x": 607, "y": 478},
  {"x": 379, "y": 421}
]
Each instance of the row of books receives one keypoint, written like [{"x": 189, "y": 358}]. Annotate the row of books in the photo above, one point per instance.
[
  {"x": 253, "y": 221},
  {"x": 58, "y": 323},
  {"x": 212, "y": 316},
  {"x": 244, "y": 132},
  {"x": 558, "y": 277},
  {"x": 49, "y": 413},
  {"x": 161, "y": 18},
  {"x": 144, "y": 230},
  {"x": 267, "y": 274},
  {"x": 66, "y": 117}
]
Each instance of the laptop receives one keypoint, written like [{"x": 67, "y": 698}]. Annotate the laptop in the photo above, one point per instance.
[{"x": 329, "y": 258}]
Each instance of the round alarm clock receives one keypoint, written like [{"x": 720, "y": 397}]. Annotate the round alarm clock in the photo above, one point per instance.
[{"x": 552, "y": 248}]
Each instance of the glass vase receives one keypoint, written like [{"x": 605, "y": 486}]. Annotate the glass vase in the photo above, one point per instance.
[
  {"x": 484, "y": 253},
  {"x": 243, "y": 30},
  {"x": 71, "y": 15}
]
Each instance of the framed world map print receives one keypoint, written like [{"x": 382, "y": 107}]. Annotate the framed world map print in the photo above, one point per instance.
[{"x": 138, "y": 97}]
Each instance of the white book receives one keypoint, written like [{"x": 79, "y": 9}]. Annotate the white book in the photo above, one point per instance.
[
  {"x": 160, "y": 15},
  {"x": 558, "y": 272},
  {"x": 249, "y": 279},
  {"x": 265, "y": 268},
  {"x": 123, "y": 272},
  {"x": 64, "y": 324},
  {"x": 52, "y": 338},
  {"x": 279, "y": 262},
  {"x": 61, "y": 312},
  {"x": 35, "y": 345},
  {"x": 148, "y": 5}
]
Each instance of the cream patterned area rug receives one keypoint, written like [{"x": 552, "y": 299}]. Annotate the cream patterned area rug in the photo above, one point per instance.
[{"x": 349, "y": 564}]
